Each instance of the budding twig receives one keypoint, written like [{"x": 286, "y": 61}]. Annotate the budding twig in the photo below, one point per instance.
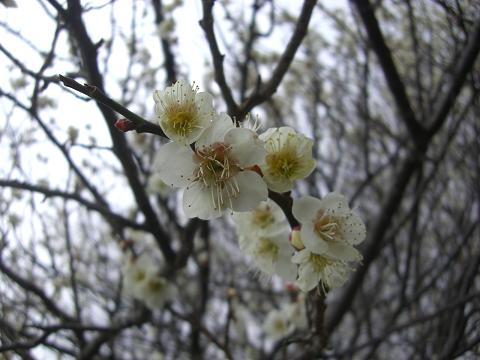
[{"x": 93, "y": 92}]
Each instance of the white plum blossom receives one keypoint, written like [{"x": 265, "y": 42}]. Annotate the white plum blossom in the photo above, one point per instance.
[
  {"x": 182, "y": 112},
  {"x": 142, "y": 280},
  {"x": 289, "y": 158},
  {"x": 267, "y": 217},
  {"x": 277, "y": 325},
  {"x": 156, "y": 290},
  {"x": 297, "y": 314},
  {"x": 314, "y": 268},
  {"x": 135, "y": 271},
  {"x": 219, "y": 174},
  {"x": 263, "y": 235},
  {"x": 329, "y": 227},
  {"x": 272, "y": 254},
  {"x": 290, "y": 317}
]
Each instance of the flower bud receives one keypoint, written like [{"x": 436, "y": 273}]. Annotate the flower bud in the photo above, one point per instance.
[
  {"x": 125, "y": 125},
  {"x": 295, "y": 239}
]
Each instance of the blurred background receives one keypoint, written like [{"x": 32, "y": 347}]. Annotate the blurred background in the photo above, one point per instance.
[{"x": 388, "y": 91}]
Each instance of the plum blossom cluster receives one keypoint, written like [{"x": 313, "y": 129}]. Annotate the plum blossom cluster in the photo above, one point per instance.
[
  {"x": 321, "y": 252},
  {"x": 220, "y": 165},
  {"x": 223, "y": 166}
]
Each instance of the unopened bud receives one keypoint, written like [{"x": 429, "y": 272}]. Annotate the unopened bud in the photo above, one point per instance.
[
  {"x": 125, "y": 125},
  {"x": 295, "y": 239},
  {"x": 291, "y": 287}
]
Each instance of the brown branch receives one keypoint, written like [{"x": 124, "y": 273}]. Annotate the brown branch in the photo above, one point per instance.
[
  {"x": 459, "y": 74},
  {"x": 394, "y": 81},
  {"x": 118, "y": 219},
  {"x": 270, "y": 87},
  {"x": 410, "y": 165},
  {"x": 93, "y": 92},
  {"x": 204, "y": 331},
  {"x": 94, "y": 346},
  {"x": 170, "y": 65},
  {"x": 88, "y": 50},
  {"x": 30, "y": 287},
  {"x": 207, "y": 25},
  {"x": 285, "y": 202}
]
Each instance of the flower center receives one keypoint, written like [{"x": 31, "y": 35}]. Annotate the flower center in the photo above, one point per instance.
[
  {"x": 139, "y": 275},
  {"x": 181, "y": 121},
  {"x": 326, "y": 226},
  {"x": 319, "y": 262},
  {"x": 156, "y": 285},
  {"x": 216, "y": 170},
  {"x": 279, "y": 325},
  {"x": 283, "y": 163},
  {"x": 266, "y": 247},
  {"x": 215, "y": 165},
  {"x": 263, "y": 217}
]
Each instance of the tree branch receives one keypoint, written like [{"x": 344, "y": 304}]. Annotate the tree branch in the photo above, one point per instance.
[
  {"x": 93, "y": 92},
  {"x": 394, "y": 81}
]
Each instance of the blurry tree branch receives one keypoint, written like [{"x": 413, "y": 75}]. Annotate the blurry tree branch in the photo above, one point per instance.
[
  {"x": 88, "y": 50},
  {"x": 394, "y": 81}
]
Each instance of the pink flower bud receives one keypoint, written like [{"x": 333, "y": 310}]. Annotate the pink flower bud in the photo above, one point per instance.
[{"x": 125, "y": 125}]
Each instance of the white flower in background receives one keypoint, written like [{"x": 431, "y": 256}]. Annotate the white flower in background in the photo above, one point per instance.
[
  {"x": 219, "y": 174},
  {"x": 289, "y": 158},
  {"x": 241, "y": 317},
  {"x": 166, "y": 28},
  {"x": 156, "y": 185},
  {"x": 135, "y": 271},
  {"x": 272, "y": 254},
  {"x": 157, "y": 356},
  {"x": 267, "y": 217},
  {"x": 263, "y": 234},
  {"x": 329, "y": 227},
  {"x": 297, "y": 314},
  {"x": 143, "y": 281},
  {"x": 314, "y": 268},
  {"x": 156, "y": 291},
  {"x": 182, "y": 112},
  {"x": 276, "y": 324}
]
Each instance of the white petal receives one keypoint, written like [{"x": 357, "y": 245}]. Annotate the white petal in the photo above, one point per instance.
[
  {"x": 197, "y": 202},
  {"x": 308, "y": 278},
  {"x": 252, "y": 188},
  {"x": 175, "y": 164},
  {"x": 267, "y": 134},
  {"x": 246, "y": 244},
  {"x": 334, "y": 202},
  {"x": 221, "y": 124},
  {"x": 301, "y": 256},
  {"x": 311, "y": 240},
  {"x": 279, "y": 185},
  {"x": 305, "y": 209},
  {"x": 205, "y": 110},
  {"x": 343, "y": 252},
  {"x": 279, "y": 236},
  {"x": 285, "y": 268},
  {"x": 204, "y": 102},
  {"x": 247, "y": 149},
  {"x": 353, "y": 229}
]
